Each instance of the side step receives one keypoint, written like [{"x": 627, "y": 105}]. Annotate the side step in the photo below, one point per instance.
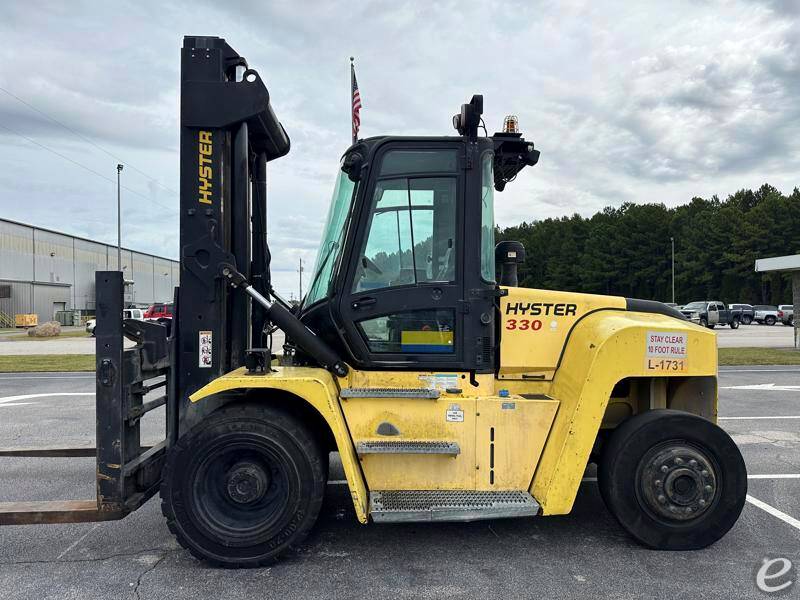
[
  {"x": 407, "y": 447},
  {"x": 424, "y": 393},
  {"x": 408, "y": 506}
]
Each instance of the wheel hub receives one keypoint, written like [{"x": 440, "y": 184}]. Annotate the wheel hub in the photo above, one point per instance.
[
  {"x": 246, "y": 483},
  {"x": 678, "y": 482}
]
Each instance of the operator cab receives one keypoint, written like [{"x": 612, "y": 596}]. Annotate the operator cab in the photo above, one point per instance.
[{"x": 405, "y": 275}]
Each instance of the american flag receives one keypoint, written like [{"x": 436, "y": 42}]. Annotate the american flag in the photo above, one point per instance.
[{"x": 356, "y": 108}]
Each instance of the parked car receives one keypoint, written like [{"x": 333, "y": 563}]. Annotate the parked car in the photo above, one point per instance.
[
  {"x": 710, "y": 313},
  {"x": 765, "y": 314},
  {"x": 128, "y": 313},
  {"x": 786, "y": 314},
  {"x": 746, "y": 310},
  {"x": 162, "y": 313}
]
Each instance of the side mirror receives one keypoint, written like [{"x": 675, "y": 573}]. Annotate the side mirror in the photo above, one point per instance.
[{"x": 508, "y": 255}]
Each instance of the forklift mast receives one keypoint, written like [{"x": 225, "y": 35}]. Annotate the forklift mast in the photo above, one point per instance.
[{"x": 228, "y": 134}]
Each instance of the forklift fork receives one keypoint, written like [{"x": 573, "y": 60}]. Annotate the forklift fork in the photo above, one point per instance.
[{"x": 127, "y": 473}]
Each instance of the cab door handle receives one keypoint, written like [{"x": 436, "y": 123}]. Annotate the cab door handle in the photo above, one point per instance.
[{"x": 362, "y": 302}]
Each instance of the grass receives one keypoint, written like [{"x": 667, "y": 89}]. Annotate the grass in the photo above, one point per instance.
[
  {"x": 759, "y": 356},
  {"x": 33, "y": 363},
  {"x": 85, "y": 362},
  {"x": 64, "y": 334}
]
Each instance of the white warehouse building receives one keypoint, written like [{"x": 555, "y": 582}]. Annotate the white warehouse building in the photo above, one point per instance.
[{"x": 44, "y": 272}]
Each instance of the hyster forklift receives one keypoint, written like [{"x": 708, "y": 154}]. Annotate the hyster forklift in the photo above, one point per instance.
[{"x": 450, "y": 394}]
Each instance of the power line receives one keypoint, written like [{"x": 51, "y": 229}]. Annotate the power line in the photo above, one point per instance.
[
  {"x": 82, "y": 166},
  {"x": 88, "y": 140}
]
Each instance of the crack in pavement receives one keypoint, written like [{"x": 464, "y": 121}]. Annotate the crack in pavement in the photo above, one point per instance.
[
  {"x": 87, "y": 560},
  {"x": 147, "y": 571}
]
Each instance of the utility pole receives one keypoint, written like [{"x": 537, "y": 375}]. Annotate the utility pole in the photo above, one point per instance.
[
  {"x": 672, "y": 240},
  {"x": 119, "y": 219},
  {"x": 300, "y": 271}
]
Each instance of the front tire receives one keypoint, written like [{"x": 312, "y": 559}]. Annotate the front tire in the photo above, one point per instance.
[
  {"x": 735, "y": 324},
  {"x": 747, "y": 320},
  {"x": 243, "y": 487},
  {"x": 703, "y": 322},
  {"x": 673, "y": 480}
]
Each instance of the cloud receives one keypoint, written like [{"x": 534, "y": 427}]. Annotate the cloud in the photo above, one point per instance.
[{"x": 627, "y": 102}]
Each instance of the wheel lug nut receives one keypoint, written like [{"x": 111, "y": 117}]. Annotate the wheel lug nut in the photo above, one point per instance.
[
  {"x": 689, "y": 510},
  {"x": 708, "y": 488},
  {"x": 704, "y": 473},
  {"x": 662, "y": 498},
  {"x": 664, "y": 469},
  {"x": 679, "y": 461},
  {"x": 693, "y": 462},
  {"x": 701, "y": 502}
]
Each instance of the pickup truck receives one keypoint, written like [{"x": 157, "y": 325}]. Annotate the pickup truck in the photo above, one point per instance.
[
  {"x": 766, "y": 314},
  {"x": 748, "y": 313},
  {"x": 710, "y": 313},
  {"x": 128, "y": 313},
  {"x": 786, "y": 314}
]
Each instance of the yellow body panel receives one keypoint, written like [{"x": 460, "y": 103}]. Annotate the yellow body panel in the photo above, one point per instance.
[
  {"x": 604, "y": 348},
  {"x": 556, "y": 380},
  {"x": 510, "y": 435},
  {"x": 535, "y": 325},
  {"x": 416, "y": 419},
  {"x": 320, "y": 390}
]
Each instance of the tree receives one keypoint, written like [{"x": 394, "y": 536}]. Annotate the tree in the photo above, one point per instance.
[{"x": 626, "y": 250}]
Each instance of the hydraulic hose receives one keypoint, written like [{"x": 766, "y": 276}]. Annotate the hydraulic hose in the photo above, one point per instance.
[{"x": 291, "y": 325}]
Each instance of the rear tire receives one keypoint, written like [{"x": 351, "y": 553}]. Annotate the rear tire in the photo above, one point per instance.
[
  {"x": 243, "y": 487},
  {"x": 673, "y": 480},
  {"x": 747, "y": 320},
  {"x": 769, "y": 320}
]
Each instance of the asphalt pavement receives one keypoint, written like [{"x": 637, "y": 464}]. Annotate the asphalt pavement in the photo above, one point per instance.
[
  {"x": 763, "y": 336},
  {"x": 581, "y": 555}
]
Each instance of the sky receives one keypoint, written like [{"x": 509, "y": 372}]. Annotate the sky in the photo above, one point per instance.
[{"x": 627, "y": 102}]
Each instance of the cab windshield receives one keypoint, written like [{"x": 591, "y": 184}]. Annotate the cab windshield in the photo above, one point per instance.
[{"x": 332, "y": 238}]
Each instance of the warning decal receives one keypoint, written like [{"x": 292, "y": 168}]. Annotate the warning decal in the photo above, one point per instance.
[
  {"x": 454, "y": 414},
  {"x": 204, "y": 350},
  {"x": 666, "y": 352},
  {"x": 665, "y": 344}
]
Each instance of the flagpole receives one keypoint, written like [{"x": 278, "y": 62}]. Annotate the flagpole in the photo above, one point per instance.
[{"x": 352, "y": 73}]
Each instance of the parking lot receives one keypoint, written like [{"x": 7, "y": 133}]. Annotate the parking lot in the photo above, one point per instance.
[
  {"x": 754, "y": 336},
  {"x": 582, "y": 555}
]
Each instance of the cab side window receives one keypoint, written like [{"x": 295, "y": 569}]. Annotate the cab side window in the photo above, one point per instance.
[{"x": 411, "y": 235}]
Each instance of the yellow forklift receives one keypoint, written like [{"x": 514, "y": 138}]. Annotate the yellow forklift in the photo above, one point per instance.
[{"x": 450, "y": 393}]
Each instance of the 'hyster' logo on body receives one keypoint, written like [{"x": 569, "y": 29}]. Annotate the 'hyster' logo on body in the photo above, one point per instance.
[
  {"x": 541, "y": 308},
  {"x": 204, "y": 170}
]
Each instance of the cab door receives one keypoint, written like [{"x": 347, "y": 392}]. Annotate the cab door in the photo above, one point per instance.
[
  {"x": 403, "y": 291},
  {"x": 400, "y": 309},
  {"x": 713, "y": 313}
]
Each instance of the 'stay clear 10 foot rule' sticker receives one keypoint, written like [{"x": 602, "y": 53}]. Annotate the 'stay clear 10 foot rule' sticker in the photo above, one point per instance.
[{"x": 666, "y": 352}]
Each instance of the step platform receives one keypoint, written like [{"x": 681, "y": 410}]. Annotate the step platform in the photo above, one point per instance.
[
  {"x": 407, "y": 447},
  {"x": 412, "y": 506},
  {"x": 423, "y": 393}
]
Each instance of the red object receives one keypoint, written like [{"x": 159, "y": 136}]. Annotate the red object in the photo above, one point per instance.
[
  {"x": 158, "y": 312},
  {"x": 356, "y": 97},
  {"x": 780, "y": 314}
]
